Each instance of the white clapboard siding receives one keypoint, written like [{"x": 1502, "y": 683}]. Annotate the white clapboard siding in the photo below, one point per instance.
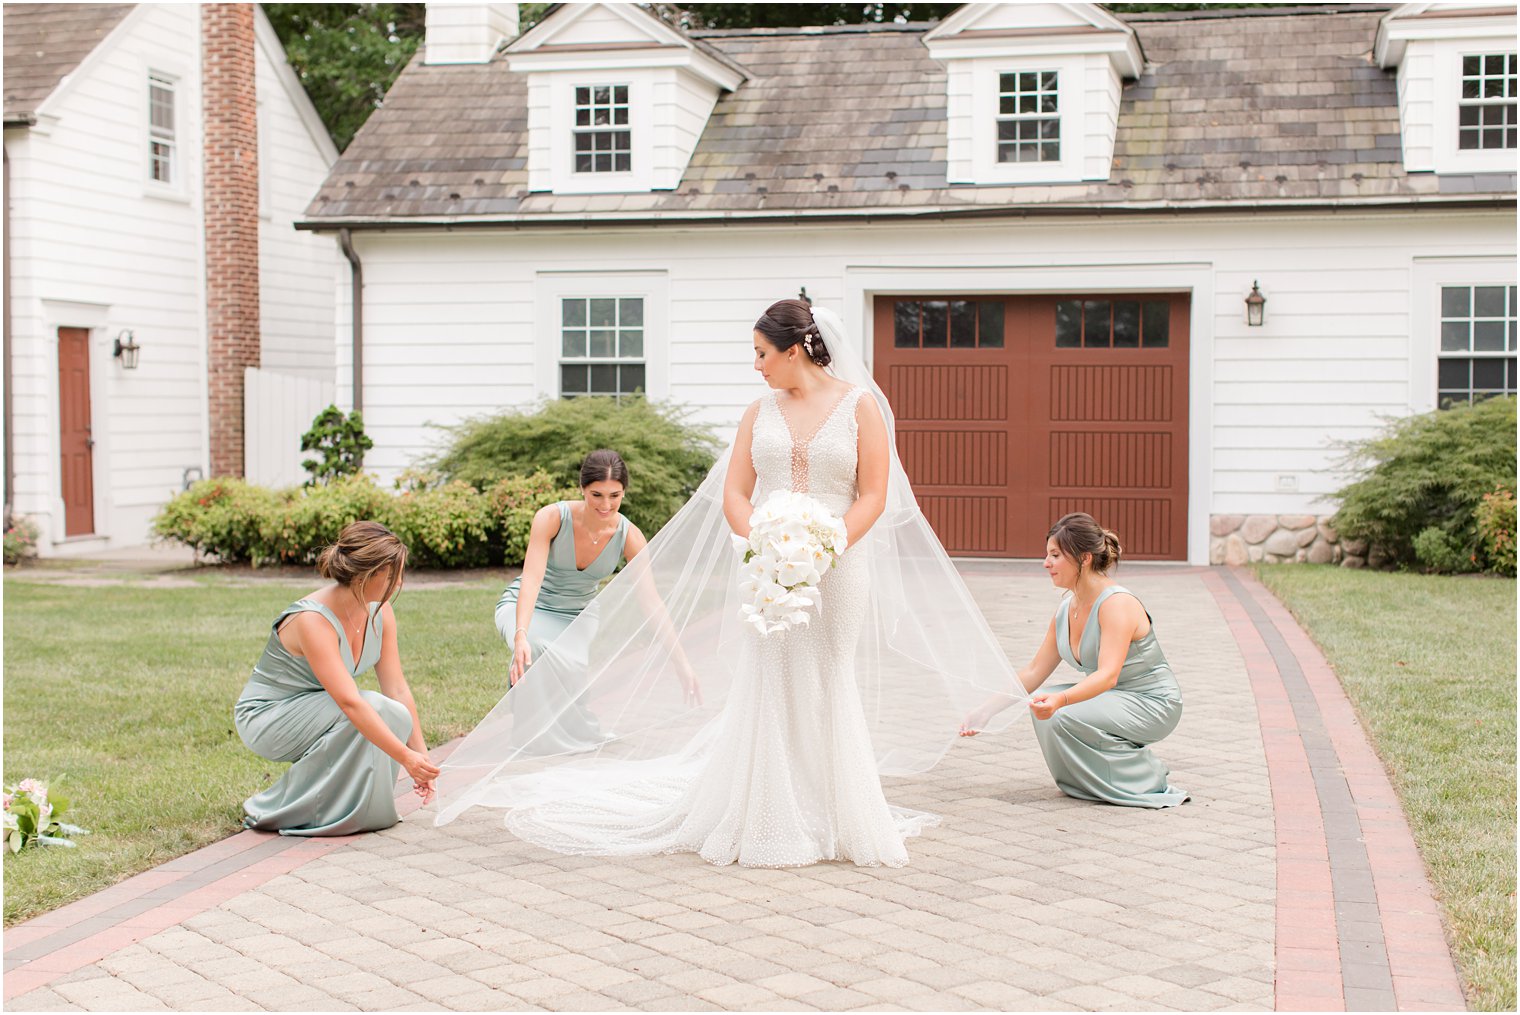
[{"x": 277, "y": 409}]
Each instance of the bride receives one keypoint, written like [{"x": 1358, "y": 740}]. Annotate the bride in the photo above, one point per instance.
[{"x": 776, "y": 759}]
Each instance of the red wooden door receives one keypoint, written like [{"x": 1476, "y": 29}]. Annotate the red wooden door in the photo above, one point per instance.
[
  {"x": 1012, "y": 411},
  {"x": 75, "y": 440}
]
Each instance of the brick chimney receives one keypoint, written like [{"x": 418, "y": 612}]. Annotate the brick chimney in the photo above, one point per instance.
[
  {"x": 232, "y": 222},
  {"x": 467, "y": 33}
]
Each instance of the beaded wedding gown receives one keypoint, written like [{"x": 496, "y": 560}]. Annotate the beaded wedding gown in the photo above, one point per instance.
[{"x": 789, "y": 776}]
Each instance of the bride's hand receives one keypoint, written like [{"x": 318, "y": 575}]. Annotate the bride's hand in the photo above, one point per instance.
[
  {"x": 982, "y": 715},
  {"x": 691, "y": 687}
]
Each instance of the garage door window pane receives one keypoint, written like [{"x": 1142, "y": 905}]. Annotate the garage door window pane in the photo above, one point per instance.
[
  {"x": 962, "y": 324},
  {"x": 990, "y": 323},
  {"x": 1157, "y": 318},
  {"x": 1068, "y": 324},
  {"x": 1127, "y": 324},
  {"x": 905, "y": 324},
  {"x": 1095, "y": 323},
  {"x": 936, "y": 322}
]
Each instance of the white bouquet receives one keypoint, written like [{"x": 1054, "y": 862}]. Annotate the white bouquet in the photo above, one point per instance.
[{"x": 793, "y": 541}]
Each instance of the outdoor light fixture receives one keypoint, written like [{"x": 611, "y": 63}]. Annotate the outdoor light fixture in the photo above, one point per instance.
[
  {"x": 804, "y": 297},
  {"x": 126, "y": 349},
  {"x": 1256, "y": 307}
]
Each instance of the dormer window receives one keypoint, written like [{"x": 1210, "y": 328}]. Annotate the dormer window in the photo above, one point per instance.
[
  {"x": 1029, "y": 117},
  {"x": 1486, "y": 110},
  {"x": 603, "y": 140}
]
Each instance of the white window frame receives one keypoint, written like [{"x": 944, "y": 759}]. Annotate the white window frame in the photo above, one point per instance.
[
  {"x": 1019, "y": 117},
  {"x": 1071, "y": 104},
  {"x": 577, "y": 131},
  {"x": 552, "y": 287},
  {"x": 618, "y": 359},
  {"x": 1469, "y": 354},
  {"x": 170, "y": 83},
  {"x": 641, "y": 92},
  {"x": 1429, "y": 275},
  {"x": 1481, "y": 102},
  {"x": 1448, "y": 158}
]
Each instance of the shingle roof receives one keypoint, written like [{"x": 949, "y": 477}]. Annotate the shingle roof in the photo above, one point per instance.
[
  {"x": 43, "y": 43},
  {"x": 1259, "y": 109}
]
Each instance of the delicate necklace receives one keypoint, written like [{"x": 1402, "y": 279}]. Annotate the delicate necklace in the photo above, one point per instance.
[{"x": 597, "y": 539}]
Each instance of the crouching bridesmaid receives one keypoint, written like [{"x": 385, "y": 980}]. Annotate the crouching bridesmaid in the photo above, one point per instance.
[
  {"x": 1096, "y": 733},
  {"x": 302, "y": 704}
]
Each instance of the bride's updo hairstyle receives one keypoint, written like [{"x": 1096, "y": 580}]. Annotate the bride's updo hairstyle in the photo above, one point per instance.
[
  {"x": 604, "y": 464},
  {"x": 1078, "y": 533},
  {"x": 789, "y": 322},
  {"x": 363, "y": 550}
]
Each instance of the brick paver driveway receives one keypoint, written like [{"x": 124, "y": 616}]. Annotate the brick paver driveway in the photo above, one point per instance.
[{"x": 1289, "y": 881}]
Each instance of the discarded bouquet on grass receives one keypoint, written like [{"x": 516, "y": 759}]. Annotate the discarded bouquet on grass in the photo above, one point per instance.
[
  {"x": 31, "y": 818},
  {"x": 793, "y": 541}
]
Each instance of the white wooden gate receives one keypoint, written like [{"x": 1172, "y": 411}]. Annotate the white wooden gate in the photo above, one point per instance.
[{"x": 277, "y": 410}]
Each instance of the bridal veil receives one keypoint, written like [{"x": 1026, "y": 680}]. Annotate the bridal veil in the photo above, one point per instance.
[{"x": 605, "y": 703}]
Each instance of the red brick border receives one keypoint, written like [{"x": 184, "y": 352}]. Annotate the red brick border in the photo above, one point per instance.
[
  {"x": 98, "y": 925},
  {"x": 1309, "y": 962}
]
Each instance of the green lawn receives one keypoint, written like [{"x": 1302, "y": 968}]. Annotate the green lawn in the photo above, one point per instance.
[
  {"x": 1429, "y": 663},
  {"x": 121, "y": 698}
]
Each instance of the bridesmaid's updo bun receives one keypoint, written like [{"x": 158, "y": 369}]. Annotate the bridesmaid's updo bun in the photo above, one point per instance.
[
  {"x": 363, "y": 550},
  {"x": 789, "y": 322},
  {"x": 1078, "y": 534},
  {"x": 604, "y": 464}
]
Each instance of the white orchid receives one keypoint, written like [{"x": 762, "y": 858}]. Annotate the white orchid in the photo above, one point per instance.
[{"x": 793, "y": 541}]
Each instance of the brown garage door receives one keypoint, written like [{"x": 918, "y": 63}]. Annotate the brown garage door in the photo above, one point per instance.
[{"x": 1012, "y": 411}]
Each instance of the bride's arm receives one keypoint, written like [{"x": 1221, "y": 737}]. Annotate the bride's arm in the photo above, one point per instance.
[
  {"x": 739, "y": 485},
  {"x": 874, "y": 464}
]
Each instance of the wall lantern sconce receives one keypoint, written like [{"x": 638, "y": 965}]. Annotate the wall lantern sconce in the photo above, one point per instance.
[
  {"x": 126, "y": 349},
  {"x": 1256, "y": 307},
  {"x": 804, "y": 297}
]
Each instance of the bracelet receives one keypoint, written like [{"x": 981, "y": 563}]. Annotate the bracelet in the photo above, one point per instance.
[
  {"x": 1063, "y": 700},
  {"x": 520, "y": 630}
]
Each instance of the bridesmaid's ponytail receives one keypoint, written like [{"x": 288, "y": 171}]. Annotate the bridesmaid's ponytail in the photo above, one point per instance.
[
  {"x": 1078, "y": 534},
  {"x": 363, "y": 550}
]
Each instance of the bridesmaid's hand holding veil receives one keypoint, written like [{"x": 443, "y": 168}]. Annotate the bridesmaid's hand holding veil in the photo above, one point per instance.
[{"x": 522, "y": 658}]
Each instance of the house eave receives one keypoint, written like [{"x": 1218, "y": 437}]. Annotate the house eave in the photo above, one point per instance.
[{"x": 866, "y": 215}]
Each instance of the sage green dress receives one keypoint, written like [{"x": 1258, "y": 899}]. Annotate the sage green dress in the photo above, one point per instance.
[
  {"x": 338, "y": 782},
  {"x": 563, "y": 595},
  {"x": 1098, "y": 749}
]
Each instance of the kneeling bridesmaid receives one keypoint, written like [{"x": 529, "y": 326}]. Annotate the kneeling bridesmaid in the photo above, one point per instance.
[
  {"x": 302, "y": 704},
  {"x": 1095, "y": 733}
]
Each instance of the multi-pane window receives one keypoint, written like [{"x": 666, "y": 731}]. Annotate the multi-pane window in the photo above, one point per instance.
[
  {"x": 947, "y": 324},
  {"x": 603, "y": 139},
  {"x": 1029, "y": 121},
  {"x": 1477, "y": 358},
  {"x": 1486, "y": 111},
  {"x": 601, "y": 346},
  {"x": 160, "y": 129},
  {"x": 1113, "y": 324}
]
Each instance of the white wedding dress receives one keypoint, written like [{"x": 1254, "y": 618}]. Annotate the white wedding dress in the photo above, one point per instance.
[{"x": 786, "y": 776}]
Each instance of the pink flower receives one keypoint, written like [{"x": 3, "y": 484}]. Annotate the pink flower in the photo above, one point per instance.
[
  {"x": 33, "y": 787},
  {"x": 7, "y": 801}
]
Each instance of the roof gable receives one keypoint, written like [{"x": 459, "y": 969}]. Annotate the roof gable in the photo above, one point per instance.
[
  {"x": 1012, "y": 28},
  {"x": 575, "y": 30},
  {"x": 1017, "y": 18},
  {"x": 44, "y": 44}
]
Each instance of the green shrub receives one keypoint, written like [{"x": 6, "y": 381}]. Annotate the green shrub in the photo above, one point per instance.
[
  {"x": 341, "y": 442},
  {"x": 1439, "y": 551},
  {"x": 667, "y": 456},
  {"x": 444, "y": 526},
  {"x": 224, "y": 518},
  {"x": 1429, "y": 472},
  {"x": 1496, "y": 528},
  {"x": 297, "y": 530},
  {"x": 513, "y": 502},
  {"x": 20, "y": 540}
]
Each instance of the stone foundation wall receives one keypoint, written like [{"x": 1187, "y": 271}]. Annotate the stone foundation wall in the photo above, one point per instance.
[{"x": 1281, "y": 539}]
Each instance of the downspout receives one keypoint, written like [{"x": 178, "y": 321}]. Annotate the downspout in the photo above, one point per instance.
[
  {"x": 357, "y": 310},
  {"x": 6, "y": 377}
]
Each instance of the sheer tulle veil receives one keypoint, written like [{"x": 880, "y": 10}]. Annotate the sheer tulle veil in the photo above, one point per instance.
[{"x": 611, "y": 686}]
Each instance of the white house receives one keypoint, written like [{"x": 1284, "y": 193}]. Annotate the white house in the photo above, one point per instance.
[
  {"x": 156, "y": 158},
  {"x": 1045, "y": 223}
]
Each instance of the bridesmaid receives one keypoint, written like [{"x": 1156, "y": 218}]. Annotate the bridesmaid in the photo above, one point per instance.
[
  {"x": 572, "y": 547},
  {"x": 1095, "y": 732},
  {"x": 302, "y": 705}
]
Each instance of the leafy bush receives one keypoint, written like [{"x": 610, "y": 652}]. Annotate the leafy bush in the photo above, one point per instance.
[
  {"x": 444, "y": 526},
  {"x": 513, "y": 502},
  {"x": 20, "y": 540},
  {"x": 341, "y": 441},
  {"x": 667, "y": 456},
  {"x": 225, "y": 518},
  {"x": 1426, "y": 472},
  {"x": 1496, "y": 528},
  {"x": 310, "y": 519},
  {"x": 1439, "y": 551}
]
